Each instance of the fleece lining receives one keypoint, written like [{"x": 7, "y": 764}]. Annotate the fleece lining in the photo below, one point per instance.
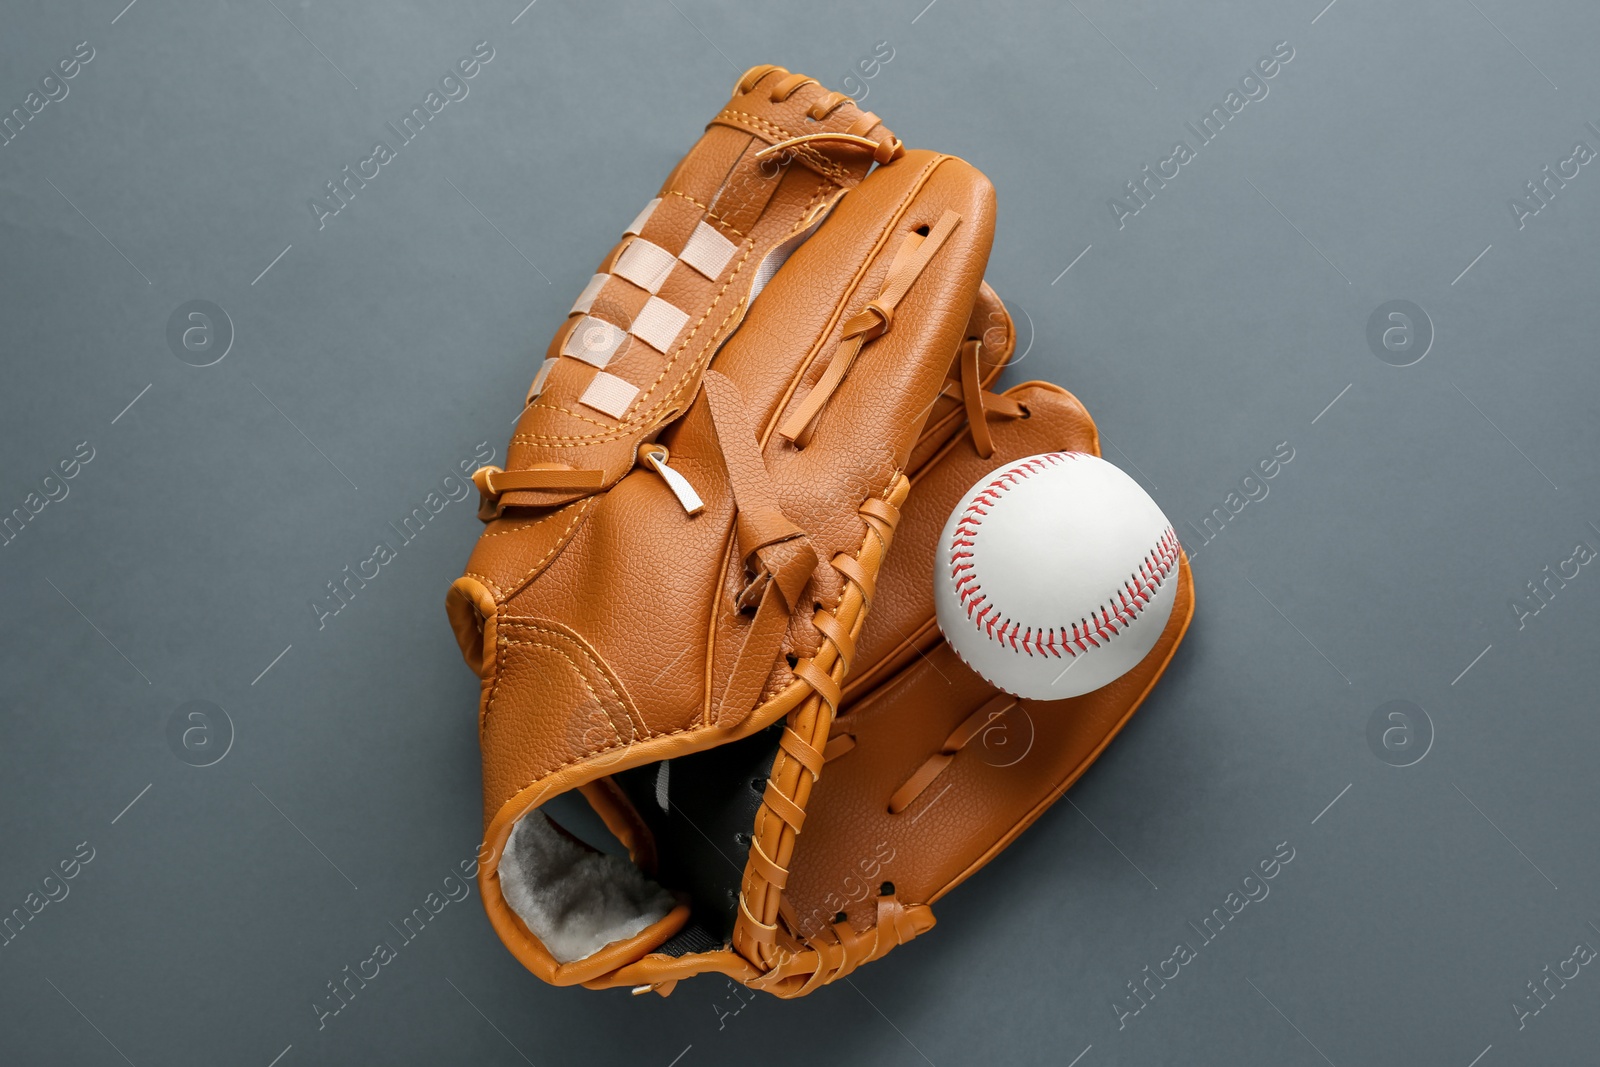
[{"x": 575, "y": 900}]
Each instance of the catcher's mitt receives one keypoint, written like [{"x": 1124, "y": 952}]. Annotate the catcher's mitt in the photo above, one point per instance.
[{"x": 696, "y": 505}]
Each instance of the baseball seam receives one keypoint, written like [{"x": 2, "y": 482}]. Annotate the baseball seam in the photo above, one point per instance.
[{"x": 1094, "y": 630}]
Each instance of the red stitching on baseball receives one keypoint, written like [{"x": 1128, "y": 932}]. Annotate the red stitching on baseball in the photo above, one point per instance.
[{"x": 1124, "y": 606}]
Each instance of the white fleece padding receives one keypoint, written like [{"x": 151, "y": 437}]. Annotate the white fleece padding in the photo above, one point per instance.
[{"x": 575, "y": 900}]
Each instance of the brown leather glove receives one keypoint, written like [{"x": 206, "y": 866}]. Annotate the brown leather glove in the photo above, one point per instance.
[
  {"x": 679, "y": 663},
  {"x": 929, "y": 771},
  {"x": 697, "y": 502}
]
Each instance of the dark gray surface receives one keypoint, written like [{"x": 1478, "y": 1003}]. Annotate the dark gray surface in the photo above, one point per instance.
[{"x": 1220, "y": 320}]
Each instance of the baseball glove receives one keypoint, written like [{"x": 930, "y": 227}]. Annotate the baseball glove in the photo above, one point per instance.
[
  {"x": 696, "y": 504},
  {"x": 701, "y": 763},
  {"x": 928, "y": 770}
]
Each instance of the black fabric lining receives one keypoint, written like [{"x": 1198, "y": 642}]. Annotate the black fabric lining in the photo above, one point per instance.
[
  {"x": 692, "y": 938},
  {"x": 703, "y": 838}
]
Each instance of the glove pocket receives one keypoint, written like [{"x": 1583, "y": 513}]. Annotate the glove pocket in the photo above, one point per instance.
[
  {"x": 935, "y": 772},
  {"x": 1040, "y": 417}
]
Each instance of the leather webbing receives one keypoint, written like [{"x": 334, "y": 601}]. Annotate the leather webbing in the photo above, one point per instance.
[
  {"x": 794, "y": 774},
  {"x": 847, "y": 566},
  {"x": 802, "y": 753},
  {"x": 834, "y": 631},
  {"x": 778, "y": 876},
  {"x": 783, "y": 807},
  {"x": 820, "y": 680}
]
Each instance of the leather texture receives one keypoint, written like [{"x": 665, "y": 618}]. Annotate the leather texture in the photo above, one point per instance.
[
  {"x": 693, "y": 258},
  {"x": 609, "y": 626},
  {"x": 781, "y": 370},
  {"x": 872, "y": 860},
  {"x": 911, "y": 694}
]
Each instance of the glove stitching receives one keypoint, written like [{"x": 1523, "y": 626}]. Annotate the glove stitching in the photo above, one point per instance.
[
  {"x": 520, "y": 529},
  {"x": 505, "y": 642},
  {"x": 638, "y": 728},
  {"x": 631, "y": 421},
  {"x": 730, "y": 227},
  {"x": 779, "y": 133},
  {"x": 561, "y": 542},
  {"x": 490, "y": 582},
  {"x": 633, "y": 418}
]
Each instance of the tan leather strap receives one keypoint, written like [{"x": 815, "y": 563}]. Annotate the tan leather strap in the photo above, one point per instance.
[
  {"x": 837, "y": 746},
  {"x": 873, "y": 321},
  {"x": 786, "y": 86},
  {"x": 784, "y": 808},
  {"x": 826, "y": 104},
  {"x": 757, "y": 933},
  {"x": 919, "y": 781},
  {"x": 769, "y": 870},
  {"x": 834, "y": 631},
  {"x": 762, "y": 933},
  {"x": 880, "y": 510},
  {"x": 853, "y": 570},
  {"x": 492, "y": 481},
  {"x": 754, "y": 661},
  {"x": 883, "y": 152},
  {"x": 970, "y": 727},
  {"x": 839, "y": 949},
  {"x": 972, "y": 396},
  {"x": 808, "y": 671},
  {"x": 748, "y": 79},
  {"x": 803, "y": 753},
  {"x": 981, "y": 405},
  {"x": 770, "y": 545}
]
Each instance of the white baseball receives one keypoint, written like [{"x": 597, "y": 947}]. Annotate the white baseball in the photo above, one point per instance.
[{"x": 1055, "y": 575}]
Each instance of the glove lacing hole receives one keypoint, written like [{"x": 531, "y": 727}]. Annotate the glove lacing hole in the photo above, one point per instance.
[{"x": 886, "y": 889}]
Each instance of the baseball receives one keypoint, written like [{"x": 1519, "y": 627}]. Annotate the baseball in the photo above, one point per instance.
[{"x": 1055, "y": 575}]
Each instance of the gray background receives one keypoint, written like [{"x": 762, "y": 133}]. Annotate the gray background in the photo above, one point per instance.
[{"x": 1222, "y": 319}]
